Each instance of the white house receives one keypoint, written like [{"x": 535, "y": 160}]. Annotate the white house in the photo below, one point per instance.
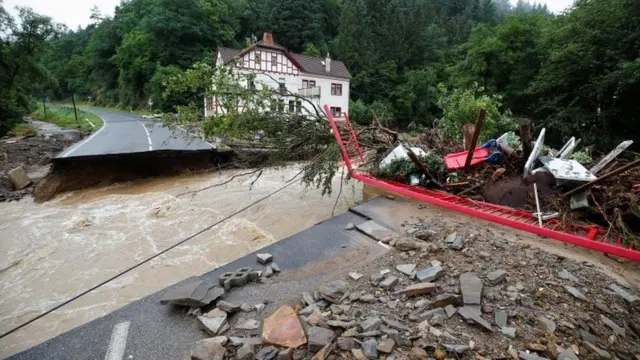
[{"x": 320, "y": 80}]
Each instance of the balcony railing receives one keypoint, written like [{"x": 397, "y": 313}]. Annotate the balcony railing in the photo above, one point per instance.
[{"x": 309, "y": 92}]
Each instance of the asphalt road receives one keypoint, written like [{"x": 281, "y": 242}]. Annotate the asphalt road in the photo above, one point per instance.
[
  {"x": 128, "y": 133},
  {"x": 145, "y": 329}
]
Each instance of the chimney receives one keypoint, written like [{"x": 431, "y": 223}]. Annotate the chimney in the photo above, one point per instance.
[
  {"x": 267, "y": 38},
  {"x": 327, "y": 64}
]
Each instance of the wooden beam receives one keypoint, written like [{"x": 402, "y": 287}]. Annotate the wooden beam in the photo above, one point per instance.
[
  {"x": 476, "y": 134},
  {"x": 526, "y": 138}
]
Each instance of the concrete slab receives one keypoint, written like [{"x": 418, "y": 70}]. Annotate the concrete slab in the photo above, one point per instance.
[{"x": 318, "y": 254}]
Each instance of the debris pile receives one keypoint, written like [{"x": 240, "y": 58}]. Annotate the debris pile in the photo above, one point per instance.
[
  {"x": 440, "y": 294},
  {"x": 546, "y": 183}
]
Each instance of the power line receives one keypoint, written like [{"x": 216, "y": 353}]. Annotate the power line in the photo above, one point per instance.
[{"x": 290, "y": 182}]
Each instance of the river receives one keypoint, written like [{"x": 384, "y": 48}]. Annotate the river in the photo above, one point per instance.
[{"x": 50, "y": 252}]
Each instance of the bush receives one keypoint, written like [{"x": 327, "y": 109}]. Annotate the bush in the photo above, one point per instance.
[
  {"x": 461, "y": 106},
  {"x": 22, "y": 129}
]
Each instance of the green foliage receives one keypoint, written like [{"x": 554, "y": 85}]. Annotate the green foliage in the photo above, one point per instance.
[
  {"x": 462, "y": 106},
  {"x": 65, "y": 118},
  {"x": 22, "y": 129},
  {"x": 583, "y": 157}
]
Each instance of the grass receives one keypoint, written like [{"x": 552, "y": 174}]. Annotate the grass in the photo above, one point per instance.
[
  {"x": 22, "y": 129},
  {"x": 65, "y": 118},
  {"x": 109, "y": 108}
]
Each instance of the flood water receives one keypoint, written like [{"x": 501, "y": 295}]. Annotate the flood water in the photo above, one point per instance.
[{"x": 50, "y": 252}]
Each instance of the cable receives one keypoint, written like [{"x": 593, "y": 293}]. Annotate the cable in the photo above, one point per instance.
[{"x": 290, "y": 182}]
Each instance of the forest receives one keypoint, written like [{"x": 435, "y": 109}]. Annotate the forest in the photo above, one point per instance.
[{"x": 414, "y": 62}]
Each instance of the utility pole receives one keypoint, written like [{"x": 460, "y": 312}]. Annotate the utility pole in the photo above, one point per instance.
[{"x": 73, "y": 100}]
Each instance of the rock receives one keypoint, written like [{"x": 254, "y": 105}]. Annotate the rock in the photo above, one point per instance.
[
  {"x": 275, "y": 267},
  {"x": 227, "y": 306},
  {"x": 431, "y": 313},
  {"x": 384, "y": 272},
  {"x": 622, "y": 293},
  {"x": 600, "y": 305},
  {"x": 308, "y": 310},
  {"x": 341, "y": 324},
  {"x": 268, "y": 272},
  {"x": 404, "y": 244},
  {"x": 417, "y": 354},
  {"x": 395, "y": 324},
  {"x": 421, "y": 303},
  {"x": 285, "y": 354},
  {"x": 358, "y": 354},
  {"x": 194, "y": 294},
  {"x": 376, "y": 278},
  {"x": 546, "y": 325},
  {"x": 406, "y": 269},
  {"x": 620, "y": 331},
  {"x": 389, "y": 282},
  {"x": 568, "y": 354},
  {"x": 437, "y": 320},
  {"x": 333, "y": 291},
  {"x": 523, "y": 355},
  {"x": 456, "y": 349},
  {"x": 450, "y": 310},
  {"x": 212, "y": 326},
  {"x": 418, "y": 289},
  {"x": 308, "y": 298},
  {"x": 267, "y": 353},
  {"x": 282, "y": 328},
  {"x": 596, "y": 350},
  {"x": 259, "y": 308},
  {"x": 496, "y": 277},
  {"x": 349, "y": 226},
  {"x": 455, "y": 242},
  {"x": 430, "y": 274},
  {"x": 587, "y": 336},
  {"x": 208, "y": 349},
  {"x": 575, "y": 293},
  {"x": 536, "y": 347},
  {"x": 500, "y": 318},
  {"x": 248, "y": 324},
  {"x": 216, "y": 313},
  {"x": 318, "y": 337},
  {"x": 377, "y": 231},
  {"x": 565, "y": 275},
  {"x": 245, "y": 352},
  {"x": 346, "y": 343},
  {"x": 246, "y": 307},
  {"x": 471, "y": 314},
  {"x": 355, "y": 275},
  {"x": 264, "y": 258},
  {"x": 393, "y": 304},
  {"x": 471, "y": 288},
  {"x": 369, "y": 334},
  {"x": 509, "y": 331},
  {"x": 367, "y": 298},
  {"x": 369, "y": 349},
  {"x": 18, "y": 178},
  {"x": 238, "y": 341},
  {"x": 386, "y": 346},
  {"x": 443, "y": 300},
  {"x": 371, "y": 323}
]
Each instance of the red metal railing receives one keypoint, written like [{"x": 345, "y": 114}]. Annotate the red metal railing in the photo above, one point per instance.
[{"x": 590, "y": 237}]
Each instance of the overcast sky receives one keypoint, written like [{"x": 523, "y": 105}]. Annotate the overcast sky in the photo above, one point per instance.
[{"x": 77, "y": 12}]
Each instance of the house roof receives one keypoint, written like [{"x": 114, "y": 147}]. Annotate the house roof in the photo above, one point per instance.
[{"x": 309, "y": 64}]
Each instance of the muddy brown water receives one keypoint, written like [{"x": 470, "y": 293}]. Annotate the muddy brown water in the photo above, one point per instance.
[{"x": 49, "y": 252}]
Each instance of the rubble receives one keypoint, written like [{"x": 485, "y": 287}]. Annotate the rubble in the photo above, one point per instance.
[
  {"x": 264, "y": 258},
  {"x": 471, "y": 288},
  {"x": 18, "y": 177},
  {"x": 418, "y": 289},
  {"x": 377, "y": 231},
  {"x": 237, "y": 278},
  {"x": 496, "y": 277},
  {"x": 333, "y": 291},
  {"x": 245, "y": 352},
  {"x": 194, "y": 294},
  {"x": 213, "y": 325},
  {"x": 283, "y": 328},
  {"x": 319, "y": 337},
  {"x": 575, "y": 293},
  {"x": 208, "y": 349},
  {"x": 369, "y": 349},
  {"x": 622, "y": 293},
  {"x": 455, "y": 242},
  {"x": 406, "y": 269},
  {"x": 430, "y": 274}
]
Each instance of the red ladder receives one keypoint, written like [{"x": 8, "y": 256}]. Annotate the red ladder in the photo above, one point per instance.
[{"x": 587, "y": 236}]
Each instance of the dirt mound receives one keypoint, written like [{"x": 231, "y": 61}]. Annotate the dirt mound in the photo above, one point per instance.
[{"x": 32, "y": 153}]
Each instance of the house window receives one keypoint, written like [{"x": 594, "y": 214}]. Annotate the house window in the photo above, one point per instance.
[
  {"x": 306, "y": 84},
  {"x": 282, "y": 84},
  {"x": 336, "y": 89},
  {"x": 292, "y": 106},
  {"x": 258, "y": 59},
  {"x": 298, "y": 106},
  {"x": 336, "y": 111},
  {"x": 281, "y": 105},
  {"x": 312, "y": 83},
  {"x": 274, "y": 61}
]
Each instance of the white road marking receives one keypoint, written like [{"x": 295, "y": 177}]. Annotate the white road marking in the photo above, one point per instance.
[
  {"x": 90, "y": 123},
  {"x": 148, "y": 136},
  {"x": 70, "y": 151},
  {"x": 118, "y": 342}
]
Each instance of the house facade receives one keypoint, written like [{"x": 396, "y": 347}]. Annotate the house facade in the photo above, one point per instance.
[{"x": 319, "y": 80}]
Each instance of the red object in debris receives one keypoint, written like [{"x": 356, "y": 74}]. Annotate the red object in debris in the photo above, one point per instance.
[
  {"x": 456, "y": 161},
  {"x": 587, "y": 236}
]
